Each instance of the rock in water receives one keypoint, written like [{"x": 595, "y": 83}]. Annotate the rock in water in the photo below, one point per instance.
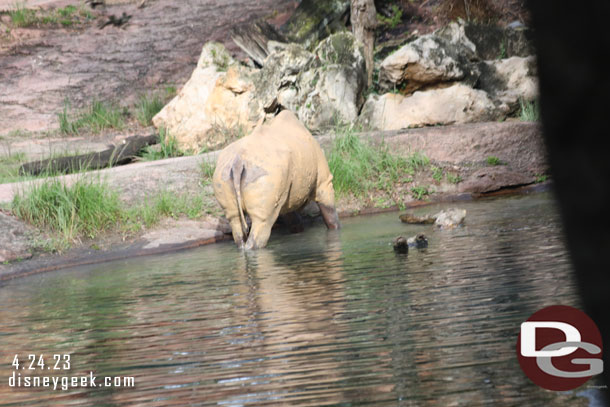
[
  {"x": 418, "y": 241},
  {"x": 414, "y": 219},
  {"x": 401, "y": 245},
  {"x": 450, "y": 218}
]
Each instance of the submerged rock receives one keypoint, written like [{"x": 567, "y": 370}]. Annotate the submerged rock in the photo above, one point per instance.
[{"x": 402, "y": 244}]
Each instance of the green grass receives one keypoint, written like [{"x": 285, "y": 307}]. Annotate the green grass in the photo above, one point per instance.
[
  {"x": 9, "y": 167},
  {"x": 95, "y": 118},
  {"x": 493, "y": 160},
  {"x": 167, "y": 148},
  {"x": 437, "y": 173},
  {"x": 529, "y": 111},
  {"x": 208, "y": 168},
  {"x": 394, "y": 19},
  {"x": 91, "y": 207},
  {"x": 359, "y": 167},
  {"x": 86, "y": 208},
  {"x": 22, "y": 17},
  {"x": 453, "y": 178},
  {"x": 147, "y": 107},
  {"x": 419, "y": 192},
  {"x": 163, "y": 205},
  {"x": 66, "y": 17}
]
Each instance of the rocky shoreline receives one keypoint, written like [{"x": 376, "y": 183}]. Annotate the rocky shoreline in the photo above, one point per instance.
[{"x": 517, "y": 145}]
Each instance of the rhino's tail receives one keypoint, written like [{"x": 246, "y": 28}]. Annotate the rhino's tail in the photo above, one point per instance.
[{"x": 237, "y": 172}]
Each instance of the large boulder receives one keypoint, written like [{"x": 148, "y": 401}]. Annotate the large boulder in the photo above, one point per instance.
[
  {"x": 322, "y": 87},
  {"x": 216, "y": 96},
  {"x": 276, "y": 82},
  {"x": 458, "y": 103},
  {"x": 428, "y": 61},
  {"x": 331, "y": 91},
  {"x": 486, "y": 42},
  {"x": 509, "y": 80}
]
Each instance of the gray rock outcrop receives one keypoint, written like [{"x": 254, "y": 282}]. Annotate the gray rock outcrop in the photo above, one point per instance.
[{"x": 322, "y": 87}]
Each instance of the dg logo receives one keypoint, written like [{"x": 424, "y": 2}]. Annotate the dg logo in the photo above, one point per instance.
[{"x": 560, "y": 348}]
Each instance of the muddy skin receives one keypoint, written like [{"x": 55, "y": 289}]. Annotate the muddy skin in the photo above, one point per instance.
[{"x": 273, "y": 171}]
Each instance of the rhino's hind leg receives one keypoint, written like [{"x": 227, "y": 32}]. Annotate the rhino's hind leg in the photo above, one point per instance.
[
  {"x": 259, "y": 234},
  {"x": 261, "y": 228},
  {"x": 236, "y": 229}
]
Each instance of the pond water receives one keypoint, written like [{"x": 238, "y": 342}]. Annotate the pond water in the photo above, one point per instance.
[{"x": 316, "y": 319}]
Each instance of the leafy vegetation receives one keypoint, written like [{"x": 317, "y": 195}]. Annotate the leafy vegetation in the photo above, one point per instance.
[
  {"x": 394, "y": 19},
  {"x": 419, "y": 192},
  {"x": 359, "y": 167}
]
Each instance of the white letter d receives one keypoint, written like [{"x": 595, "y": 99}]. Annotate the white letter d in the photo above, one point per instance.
[{"x": 528, "y": 338}]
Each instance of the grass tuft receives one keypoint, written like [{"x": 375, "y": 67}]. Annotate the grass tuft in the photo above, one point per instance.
[
  {"x": 85, "y": 208},
  {"x": 23, "y": 17},
  {"x": 97, "y": 117},
  {"x": 493, "y": 160},
  {"x": 529, "y": 111},
  {"x": 147, "y": 107},
  {"x": 167, "y": 148}
]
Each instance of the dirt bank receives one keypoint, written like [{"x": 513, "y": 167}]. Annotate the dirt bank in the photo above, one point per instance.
[{"x": 42, "y": 67}]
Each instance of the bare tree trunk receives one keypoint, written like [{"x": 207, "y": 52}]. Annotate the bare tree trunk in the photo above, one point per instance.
[{"x": 364, "y": 20}]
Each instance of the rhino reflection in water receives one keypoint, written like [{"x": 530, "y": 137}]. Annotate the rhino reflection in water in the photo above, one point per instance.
[{"x": 273, "y": 171}]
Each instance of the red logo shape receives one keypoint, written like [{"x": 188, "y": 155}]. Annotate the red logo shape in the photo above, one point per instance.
[{"x": 560, "y": 348}]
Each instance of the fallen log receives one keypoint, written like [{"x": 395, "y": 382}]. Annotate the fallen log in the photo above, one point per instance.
[{"x": 120, "y": 154}]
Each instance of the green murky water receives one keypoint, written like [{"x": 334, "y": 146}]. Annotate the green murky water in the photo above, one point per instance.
[{"x": 316, "y": 319}]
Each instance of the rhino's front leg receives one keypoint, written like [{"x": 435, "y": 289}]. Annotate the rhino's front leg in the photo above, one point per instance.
[{"x": 329, "y": 214}]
